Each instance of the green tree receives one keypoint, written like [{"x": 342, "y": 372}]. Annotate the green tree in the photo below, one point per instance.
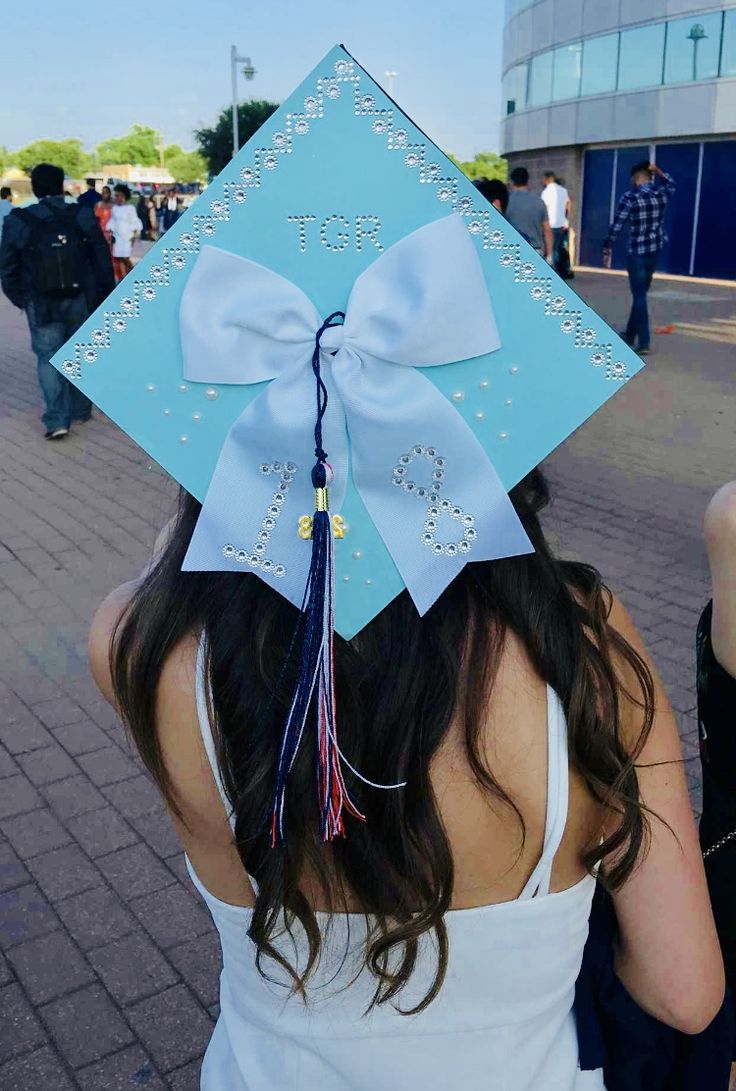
[
  {"x": 185, "y": 166},
  {"x": 6, "y": 159},
  {"x": 484, "y": 165},
  {"x": 138, "y": 147},
  {"x": 216, "y": 142},
  {"x": 68, "y": 154}
]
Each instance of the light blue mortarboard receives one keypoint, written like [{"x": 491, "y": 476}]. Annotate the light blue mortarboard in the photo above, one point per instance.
[{"x": 326, "y": 189}]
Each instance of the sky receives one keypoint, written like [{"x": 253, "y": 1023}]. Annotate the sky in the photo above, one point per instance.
[{"x": 74, "y": 71}]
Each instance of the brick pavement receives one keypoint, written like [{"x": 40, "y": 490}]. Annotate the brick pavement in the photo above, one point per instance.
[{"x": 108, "y": 963}]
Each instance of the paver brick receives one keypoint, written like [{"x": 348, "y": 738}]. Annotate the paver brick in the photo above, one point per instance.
[
  {"x": 134, "y": 871},
  {"x": 12, "y": 871},
  {"x": 17, "y": 796},
  {"x": 20, "y": 730},
  {"x": 95, "y": 917},
  {"x": 63, "y": 872},
  {"x": 157, "y": 830},
  {"x": 171, "y": 916},
  {"x": 49, "y": 966},
  {"x": 186, "y": 1078},
  {"x": 58, "y": 712},
  {"x": 132, "y": 967},
  {"x": 41, "y": 1070},
  {"x": 47, "y": 764},
  {"x": 102, "y": 831},
  {"x": 21, "y": 1030},
  {"x": 80, "y": 737},
  {"x": 6, "y": 974},
  {"x": 33, "y": 833},
  {"x": 199, "y": 961},
  {"x": 108, "y": 765},
  {"x": 134, "y": 797},
  {"x": 86, "y": 1026},
  {"x": 172, "y": 1025},
  {"x": 24, "y": 914},
  {"x": 7, "y": 766},
  {"x": 72, "y": 797},
  {"x": 122, "y": 1071}
]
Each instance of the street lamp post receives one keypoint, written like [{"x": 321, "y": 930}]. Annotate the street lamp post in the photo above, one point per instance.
[
  {"x": 249, "y": 72},
  {"x": 696, "y": 36}
]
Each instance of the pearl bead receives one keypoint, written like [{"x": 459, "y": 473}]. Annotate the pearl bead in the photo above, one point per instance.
[
  {"x": 167, "y": 412},
  {"x": 357, "y": 554},
  {"x": 183, "y": 439},
  {"x": 514, "y": 370},
  {"x": 509, "y": 402},
  {"x": 503, "y": 435},
  {"x": 346, "y": 579},
  {"x": 183, "y": 388},
  {"x": 483, "y": 384},
  {"x": 150, "y": 387},
  {"x": 369, "y": 583},
  {"x": 480, "y": 415},
  {"x": 211, "y": 394},
  {"x": 196, "y": 416},
  {"x": 458, "y": 396}
]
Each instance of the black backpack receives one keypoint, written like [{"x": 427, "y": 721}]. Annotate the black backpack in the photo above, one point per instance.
[{"x": 56, "y": 250}]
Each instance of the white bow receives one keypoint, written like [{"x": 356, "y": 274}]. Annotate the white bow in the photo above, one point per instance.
[{"x": 424, "y": 478}]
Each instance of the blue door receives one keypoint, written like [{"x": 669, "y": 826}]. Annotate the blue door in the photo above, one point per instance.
[
  {"x": 715, "y": 245},
  {"x": 594, "y": 215},
  {"x": 681, "y": 161}
]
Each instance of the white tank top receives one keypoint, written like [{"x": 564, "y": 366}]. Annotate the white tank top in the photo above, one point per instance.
[{"x": 503, "y": 1019}]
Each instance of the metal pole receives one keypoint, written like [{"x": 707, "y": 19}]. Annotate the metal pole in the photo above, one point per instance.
[{"x": 234, "y": 78}]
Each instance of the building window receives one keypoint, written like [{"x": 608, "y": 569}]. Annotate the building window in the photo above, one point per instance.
[
  {"x": 566, "y": 71},
  {"x": 640, "y": 61},
  {"x": 540, "y": 79},
  {"x": 693, "y": 46},
  {"x": 600, "y": 65},
  {"x": 728, "y": 56},
  {"x": 514, "y": 88}
]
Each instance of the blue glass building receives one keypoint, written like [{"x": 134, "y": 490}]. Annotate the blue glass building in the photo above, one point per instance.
[{"x": 591, "y": 87}]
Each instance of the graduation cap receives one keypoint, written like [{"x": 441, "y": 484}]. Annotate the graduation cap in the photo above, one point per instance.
[{"x": 349, "y": 357}]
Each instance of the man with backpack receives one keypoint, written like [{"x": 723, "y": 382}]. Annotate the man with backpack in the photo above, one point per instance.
[{"x": 55, "y": 265}]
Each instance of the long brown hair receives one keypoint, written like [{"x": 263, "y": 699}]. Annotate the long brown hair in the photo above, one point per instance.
[{"x": 400, "y": 683}]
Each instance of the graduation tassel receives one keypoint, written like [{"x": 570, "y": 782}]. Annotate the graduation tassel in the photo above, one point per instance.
[{"x": 315, "y": 673}]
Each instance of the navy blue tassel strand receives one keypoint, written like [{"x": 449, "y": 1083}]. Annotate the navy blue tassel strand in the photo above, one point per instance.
[{"x": 315, "y": 675}]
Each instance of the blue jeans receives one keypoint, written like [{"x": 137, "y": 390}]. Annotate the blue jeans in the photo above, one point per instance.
[
  {"x": 558, "y": 239},
  {"x": 640, "y": 268},
  {"x": 52, "y": 322}
]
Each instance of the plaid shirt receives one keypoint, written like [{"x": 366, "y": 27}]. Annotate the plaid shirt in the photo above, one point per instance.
[{"x": 644, "y": 208}]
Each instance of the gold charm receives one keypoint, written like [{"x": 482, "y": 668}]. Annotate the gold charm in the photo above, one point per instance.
[{"x": 306, "y": 525}]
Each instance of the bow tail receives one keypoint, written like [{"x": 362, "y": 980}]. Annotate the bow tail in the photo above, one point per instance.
[{"x": 426, "y": 481}]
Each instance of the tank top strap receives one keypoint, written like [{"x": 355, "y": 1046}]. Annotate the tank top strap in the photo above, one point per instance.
[
  {"x": 557, "y": 797},
  {"x": 205, "y": 727}
]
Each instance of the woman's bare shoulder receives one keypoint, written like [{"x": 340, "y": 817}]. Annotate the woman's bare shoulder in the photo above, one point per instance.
[{"x": 101, "y": 633}]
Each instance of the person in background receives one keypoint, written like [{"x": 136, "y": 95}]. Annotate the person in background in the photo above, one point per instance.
[
  {"x": 103, "y": 211},
  {"x": 144, "y": 215},
  {"x": 716, "y": 675},
  {"x": 124, "y": 228},
  {"x": 643, "y": 206},
  {"x": 171, "y": 209},
  {"x": 527, "y": 212},
  {"x": 495, "y": 191},
  {"x": 58, "y": 286},
  {"x": 6, "y": 203},
  {"x": 90, "y": 197},
  {"x": 559, "y": 210}
]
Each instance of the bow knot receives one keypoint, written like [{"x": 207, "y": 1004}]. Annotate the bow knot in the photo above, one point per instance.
[{"x": 423, "y": 477}]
